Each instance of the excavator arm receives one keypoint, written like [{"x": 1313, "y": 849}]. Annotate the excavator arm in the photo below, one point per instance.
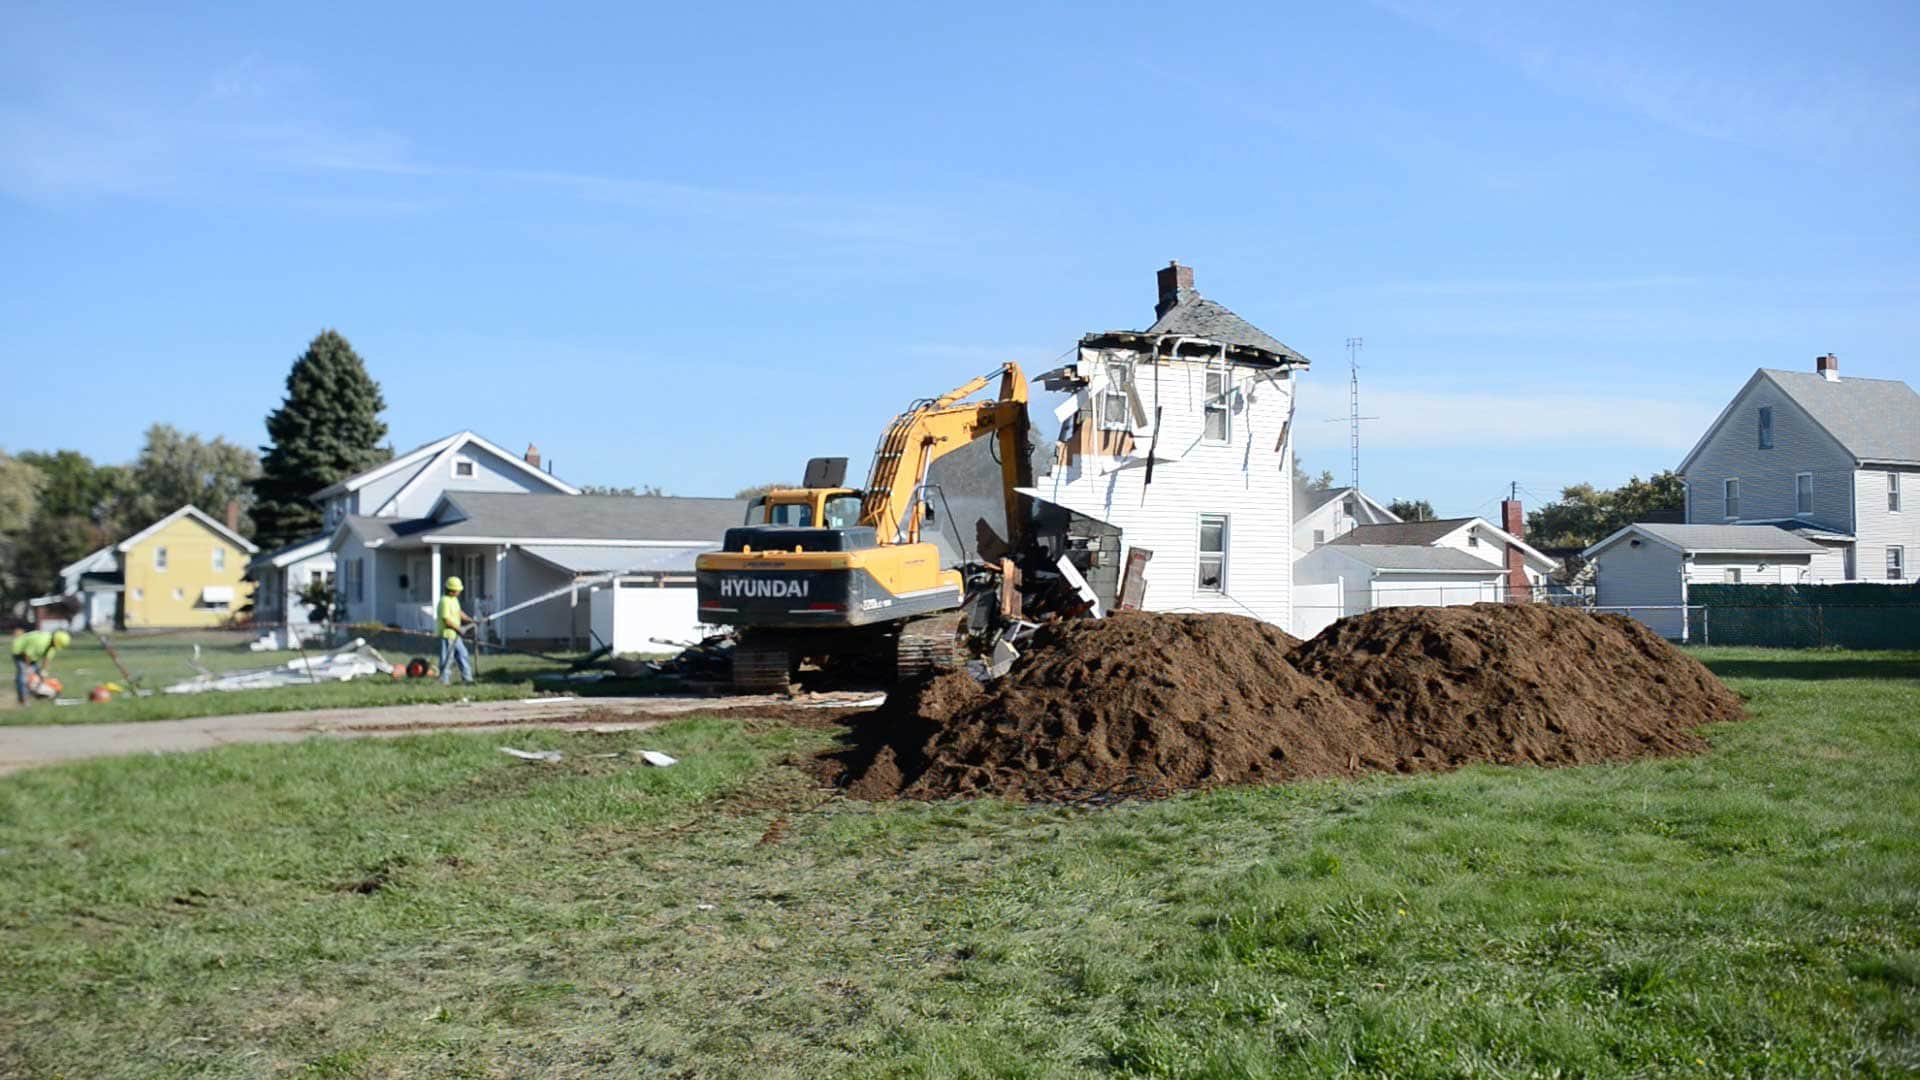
[{"x": 931, "y": 429}]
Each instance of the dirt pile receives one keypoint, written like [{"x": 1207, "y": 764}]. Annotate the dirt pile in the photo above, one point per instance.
[
  {"x": 1149, "y": 703},
  {"x": 1517, "y": 684}
]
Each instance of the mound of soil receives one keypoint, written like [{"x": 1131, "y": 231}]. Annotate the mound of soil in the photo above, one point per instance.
[
  {"x": 1147, "y": 703},
  {"x": 1516, "y": 684}
]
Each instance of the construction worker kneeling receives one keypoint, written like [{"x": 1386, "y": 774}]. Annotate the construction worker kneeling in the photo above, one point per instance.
[
  {"x": 33, "y": 656},
  {"x": 449, "y": 620}
]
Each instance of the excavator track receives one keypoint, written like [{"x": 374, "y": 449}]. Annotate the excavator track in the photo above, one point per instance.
[
  {"x": 762, "y": 665},
  {"x": 930, "y": 646}
]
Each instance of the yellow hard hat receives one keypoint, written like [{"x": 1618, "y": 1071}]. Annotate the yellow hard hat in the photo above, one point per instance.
[
  {"x": 453, "y": 584},
  {"x": 61, "y": 639}
]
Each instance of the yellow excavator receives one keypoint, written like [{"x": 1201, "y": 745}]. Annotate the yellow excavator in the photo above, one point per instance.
[{"x": 826, "y": 573}]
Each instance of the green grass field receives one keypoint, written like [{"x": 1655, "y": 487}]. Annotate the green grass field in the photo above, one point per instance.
[
  {"x": 428, "y": 906},
  {"x": 163, "y": 660}
]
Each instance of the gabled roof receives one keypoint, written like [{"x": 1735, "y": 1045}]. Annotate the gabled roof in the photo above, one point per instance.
[
  {"x": 1433, "y": 531},
  {"x": 1412, "y": 558},
  {"x": 1875, "y": 420},
  {"x": 1714, "y": 539},
  {"x": 197, "y": 514},
  {"x": 1314, "y": 500},
  {"x": 421, "y": 455},
  {"x": 292, "y": 553},
  {"x": 478, "y": 517},
  {"x": 97, "y": 560},
  {"x": 1403, "y": 532}
]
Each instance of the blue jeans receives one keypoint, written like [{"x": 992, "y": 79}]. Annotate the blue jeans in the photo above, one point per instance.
[
  {"x": 452, "y": 651},
  {"x": 22, "y": 665}
]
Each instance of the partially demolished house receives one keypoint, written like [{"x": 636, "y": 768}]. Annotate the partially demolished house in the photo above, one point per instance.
[{"x": 1179, "y": 436}]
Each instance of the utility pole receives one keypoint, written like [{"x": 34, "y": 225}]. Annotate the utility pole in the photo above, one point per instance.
[{"x": 1354, "y": 345}]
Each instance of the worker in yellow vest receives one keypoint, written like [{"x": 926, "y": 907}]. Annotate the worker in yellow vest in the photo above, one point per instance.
[
  {"x": 34, "y": 652},
  {"x": 449, "y": 619}
]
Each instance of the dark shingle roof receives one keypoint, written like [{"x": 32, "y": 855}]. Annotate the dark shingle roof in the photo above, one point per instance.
[
  {"x": 590, "y": 517},
  {"x": 1197, "y": 316},
  {"x": 1402, "y": 532},
  {"x": 1413, "y": 557},
  {"x": 1875, "y": 419}
]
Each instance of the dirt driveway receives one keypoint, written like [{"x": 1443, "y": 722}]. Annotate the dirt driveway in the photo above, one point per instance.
[{"x": 28, "y": 747}]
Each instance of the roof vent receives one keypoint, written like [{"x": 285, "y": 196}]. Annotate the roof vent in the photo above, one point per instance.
[{"x": 1828, "y": 366}]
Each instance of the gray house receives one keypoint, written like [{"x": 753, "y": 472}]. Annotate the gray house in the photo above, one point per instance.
[
  {"x": 1644, "y": 570},
  {"x": 618, "y": 568},
  {"x": 1835, "y": 460}
]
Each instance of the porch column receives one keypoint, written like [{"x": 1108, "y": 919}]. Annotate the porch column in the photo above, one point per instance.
[
  {"x": 501, "y": 598},
  {"x": 433, "y": 596}
]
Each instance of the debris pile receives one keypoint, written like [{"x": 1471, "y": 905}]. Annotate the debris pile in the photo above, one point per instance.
[
  {"x": 1517, "y": 684},
  {"x": 1149, "y": 703},
  {"x": 350, "y": 661},
  {"x": 1152, "y": 702}
]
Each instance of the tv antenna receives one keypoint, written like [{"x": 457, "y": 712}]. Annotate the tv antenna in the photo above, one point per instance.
[{"x": 1354, "y": 419}]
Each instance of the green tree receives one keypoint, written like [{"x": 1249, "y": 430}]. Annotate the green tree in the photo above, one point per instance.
[
  {"x": 1584, "y": 514},
  {"x": 327, "y": 429},
  {"x": 757, "y": 490},
  {"x": 1411, "y": 509},
  {"x": 175, "y": 468},
  {"x": 639, "y": 492},
  {"x": 20, "y": 486}
]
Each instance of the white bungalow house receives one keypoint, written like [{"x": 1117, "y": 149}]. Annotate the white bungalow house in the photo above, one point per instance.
[
  {"x": 1179, "y": 435},
  {"x": 1644, "y": 569},
  {"x": 405, "y": 486},
  {"x": 1437, "y": 563},
  {"x": 1835, "y": 460},
  {"x": 91, "y": 586},
  {"x": 545, "y": 568},
  {"x": 1320, "y": 516}
]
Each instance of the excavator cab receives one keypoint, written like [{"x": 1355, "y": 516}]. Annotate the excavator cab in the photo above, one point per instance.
[{"x": 806, "y": 508}]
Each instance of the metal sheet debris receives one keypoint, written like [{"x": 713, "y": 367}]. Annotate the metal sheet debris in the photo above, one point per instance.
[
  {"x": 533, "y": 755},
  {"x": 350, "y": 661},
  {"x": 655, "y": 757}
]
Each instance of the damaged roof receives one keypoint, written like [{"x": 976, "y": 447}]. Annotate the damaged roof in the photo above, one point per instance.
[{"x": 1197, "y": 316}]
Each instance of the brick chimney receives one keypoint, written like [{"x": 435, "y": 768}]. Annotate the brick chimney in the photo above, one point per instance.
[
  {"x": 1828, "y": 366},
  {"x": 233, "y": 516},
  {"x": 1176, "y": 284},
  {"x": 533, "y": 456},
  {"x": 1514, "y": 520}
]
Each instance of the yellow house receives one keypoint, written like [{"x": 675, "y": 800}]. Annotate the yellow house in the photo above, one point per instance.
[{"x": 183, "y": 570}]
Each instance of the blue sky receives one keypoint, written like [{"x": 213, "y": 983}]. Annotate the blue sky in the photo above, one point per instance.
[{"x": 692, "y": 246}]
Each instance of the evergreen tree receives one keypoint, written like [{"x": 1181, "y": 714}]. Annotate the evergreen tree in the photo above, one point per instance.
[{"x": 328, "y": 428}]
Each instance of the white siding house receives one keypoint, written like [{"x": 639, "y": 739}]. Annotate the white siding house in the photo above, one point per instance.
[
  {"x": 1320, "y": 516},
  {"x": 1834, "y": 458},
  {"x": 1362, "y": 577},
  {"x": 1179, "y": 435},
  {"x": 1644, "y": 570}
]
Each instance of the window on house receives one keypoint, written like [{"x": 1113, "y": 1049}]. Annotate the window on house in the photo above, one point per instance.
[
  {"x": 1731, "y": 577},
  {"x": 219, "y": 557},
  {"x": 357, "y": 580},
  {"x": 462, "y": 468},
  {"x": 1115, "y": 414},
  {"x": 179, "y": 594},
  {"x": 1766, "y": 427},
  {"x": 1893, "y": 492},
  {"x": 1896, "y": 563},
  {"x": 159, "y": 558},
  {"x": 139, "y": 594},
  {"x": 1803, "y": 493},
  {"x": 1319, "y": 537},
  {"x": 1731, "y": 489},
  {"x": 1218, "y": 423},
  {"x": 1213, "y": 552},
  {"x": 1473, "y": 540}
]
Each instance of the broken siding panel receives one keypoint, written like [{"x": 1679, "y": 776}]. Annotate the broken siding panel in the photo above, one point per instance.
[{"x": 1244, "y": 478}]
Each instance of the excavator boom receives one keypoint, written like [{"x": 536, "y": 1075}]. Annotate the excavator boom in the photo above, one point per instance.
[{"x": 931, "y": 429}]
